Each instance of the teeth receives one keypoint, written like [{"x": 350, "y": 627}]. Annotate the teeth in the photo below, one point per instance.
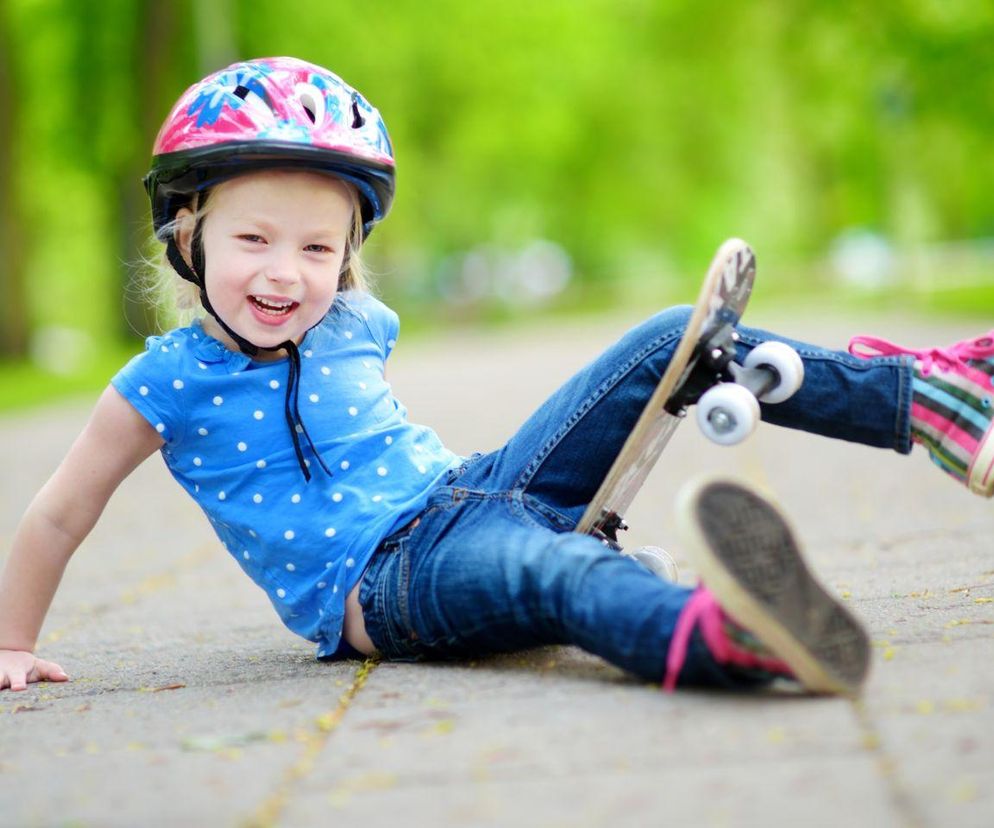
[{"x": 271, "y": 306}]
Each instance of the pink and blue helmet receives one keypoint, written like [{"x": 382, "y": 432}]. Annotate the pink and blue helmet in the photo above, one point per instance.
[{"x": 270, "y": 113}]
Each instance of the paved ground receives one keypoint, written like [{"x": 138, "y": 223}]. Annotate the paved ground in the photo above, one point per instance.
[{"x": 191, "y": 705}]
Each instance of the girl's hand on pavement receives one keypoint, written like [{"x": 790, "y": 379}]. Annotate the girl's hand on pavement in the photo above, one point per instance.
[{"x": 18, "y": 669}]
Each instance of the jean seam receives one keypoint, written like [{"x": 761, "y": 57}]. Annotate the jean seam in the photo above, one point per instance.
[
  {"x": 905, "y": 397},
  {"x": 839, "y": 357},
  {"x": 901, "y": 362},
  {"x": 380, "y": 593},
  {"x": 524, "y": 504},
  {"x": 403, "y": 590},
  {"x": 595, "y": 397}
]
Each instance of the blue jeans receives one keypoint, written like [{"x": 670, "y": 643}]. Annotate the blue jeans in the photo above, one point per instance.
[{"x": 493, "y": 565}]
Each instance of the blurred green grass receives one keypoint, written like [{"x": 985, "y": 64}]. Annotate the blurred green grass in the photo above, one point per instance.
[{"x": 24, "y": 385}]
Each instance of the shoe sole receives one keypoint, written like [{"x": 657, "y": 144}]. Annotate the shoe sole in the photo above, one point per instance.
[{"x": 747, "y": 554}]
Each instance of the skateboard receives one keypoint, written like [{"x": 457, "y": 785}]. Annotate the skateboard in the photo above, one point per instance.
[{"x": 701, "y": 372}]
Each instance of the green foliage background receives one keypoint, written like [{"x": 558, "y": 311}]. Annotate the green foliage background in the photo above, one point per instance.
[{"x": 636, "y": 134}]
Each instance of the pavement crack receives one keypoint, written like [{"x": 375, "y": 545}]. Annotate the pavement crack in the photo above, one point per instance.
[
  {"x": 270, "y": 810},
  {"x": 940, "y": 534},
  {"x": 138, "y": 591},
  {"x": 901, "y": 799}
]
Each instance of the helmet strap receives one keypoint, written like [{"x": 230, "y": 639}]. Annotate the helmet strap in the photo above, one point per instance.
[{"x": 291, "y": 410}]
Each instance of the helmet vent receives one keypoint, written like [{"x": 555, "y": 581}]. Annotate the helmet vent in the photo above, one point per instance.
[
  {"x": 312, "y": 102},
  {"x": 357, "y": 119},
  {"x": 241, "y": 92}
]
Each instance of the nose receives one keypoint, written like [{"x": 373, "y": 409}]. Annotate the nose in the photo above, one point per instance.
[{"x": 281, "y": 268}]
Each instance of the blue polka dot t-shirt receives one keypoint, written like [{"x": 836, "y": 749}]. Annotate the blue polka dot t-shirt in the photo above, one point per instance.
[{"x": 227, "y": 443}]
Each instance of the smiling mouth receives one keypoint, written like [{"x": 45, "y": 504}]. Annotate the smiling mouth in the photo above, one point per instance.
[{"x": 273, "y": 307}]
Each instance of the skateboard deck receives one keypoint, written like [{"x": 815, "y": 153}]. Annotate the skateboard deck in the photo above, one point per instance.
[{"x": 700, "y": 359}]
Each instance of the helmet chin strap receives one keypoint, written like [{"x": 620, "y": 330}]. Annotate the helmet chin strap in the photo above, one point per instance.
[{"x": 291, "y": 410}]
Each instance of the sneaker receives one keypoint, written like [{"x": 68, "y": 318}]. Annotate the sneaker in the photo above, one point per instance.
[
  {"x": 761, "y": 609},
  {"x": 951, "y": 407}
]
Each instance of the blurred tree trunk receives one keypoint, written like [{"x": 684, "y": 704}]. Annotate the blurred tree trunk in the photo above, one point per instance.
[
  {"x": 159, "y": 30},
  {"x": 214, "y": 34},
  {"x": 182, "y": 40},
  {"x": 13, "y": 262}
]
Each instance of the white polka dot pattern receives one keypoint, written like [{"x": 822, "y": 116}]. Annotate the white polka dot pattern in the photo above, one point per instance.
[{"x": 226, "y": 441}]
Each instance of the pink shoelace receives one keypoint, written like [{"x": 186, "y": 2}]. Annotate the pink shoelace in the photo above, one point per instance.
[
  {"x": 702, "y": 610},
  {"x": 949, "y": 357}
]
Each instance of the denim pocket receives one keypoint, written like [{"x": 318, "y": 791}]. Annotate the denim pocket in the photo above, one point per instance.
[
  {"x": 384, "y": 597},
  {"x": 536, "y": 512}
]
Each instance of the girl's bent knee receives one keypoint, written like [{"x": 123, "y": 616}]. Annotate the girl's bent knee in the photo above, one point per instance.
[
  {"x": 664, "y": 326},
  {"x": 675, "y": 317}
]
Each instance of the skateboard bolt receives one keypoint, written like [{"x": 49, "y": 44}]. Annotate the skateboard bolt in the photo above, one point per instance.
[
  {"x": 716, "y": 354},
  {"x": 721, "y": 421}
]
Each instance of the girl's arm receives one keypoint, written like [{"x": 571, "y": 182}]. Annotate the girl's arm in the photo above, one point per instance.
[{"x": 113, "y": 443}]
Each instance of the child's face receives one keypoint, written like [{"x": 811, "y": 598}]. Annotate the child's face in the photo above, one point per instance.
[{"x": 274, "y": 243}]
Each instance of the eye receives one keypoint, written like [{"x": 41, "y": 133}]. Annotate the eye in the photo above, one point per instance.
[
  {"x": 318, "y": 248},
  {"x": 251, "y": 237}
]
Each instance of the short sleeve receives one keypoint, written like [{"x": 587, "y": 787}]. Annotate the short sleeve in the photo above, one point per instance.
[
  {"x": 382, "y": 322},
  {"x": 150, "y": 387}
]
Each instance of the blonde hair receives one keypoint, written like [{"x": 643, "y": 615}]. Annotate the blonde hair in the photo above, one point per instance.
[{"x": 176, "y": 301}]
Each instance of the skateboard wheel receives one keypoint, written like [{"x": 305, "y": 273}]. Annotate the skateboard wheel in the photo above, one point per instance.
[
  {"x": 658, "y": 561},
  {"x": 785, "y": 362},
  {"x": 727, "y": 413}
]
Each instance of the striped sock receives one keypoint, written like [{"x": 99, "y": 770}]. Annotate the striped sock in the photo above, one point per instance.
[
  {"x": 951, "y": 404},
  {"x": 951, "y": 413}
]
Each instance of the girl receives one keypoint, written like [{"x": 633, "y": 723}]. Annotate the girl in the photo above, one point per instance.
[{"x": 365, "y": 532}]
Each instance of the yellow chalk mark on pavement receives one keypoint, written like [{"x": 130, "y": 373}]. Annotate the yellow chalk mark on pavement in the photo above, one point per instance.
[
  {"x": 776, "y": 735},
  {"x": 366, "y": 782},
  {"x": 965, "y": 790},
  {"x": 441, "y": 728},
  {"x": 963, "y": 705},
  {"x": 148, "y": 586},
  {"x": 85, "y": 613},
  {"x": 927, "y": 707},
  {"x": 870, "y": 740},
  {"x": 889, "y": 651},
  {"x": 963, "y": 622},
  {"x": 269, "y": 812}
]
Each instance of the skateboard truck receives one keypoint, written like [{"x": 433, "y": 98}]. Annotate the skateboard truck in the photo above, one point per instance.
[
  {"x": 606, "y": 529},
  {"x": 654, "y": 558},
  {"x": 702, "y": 372},
  {"x": 728, "y": 391},
  {"x": 729, "y": 411},
  {"x": 716, "y": 353}
]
